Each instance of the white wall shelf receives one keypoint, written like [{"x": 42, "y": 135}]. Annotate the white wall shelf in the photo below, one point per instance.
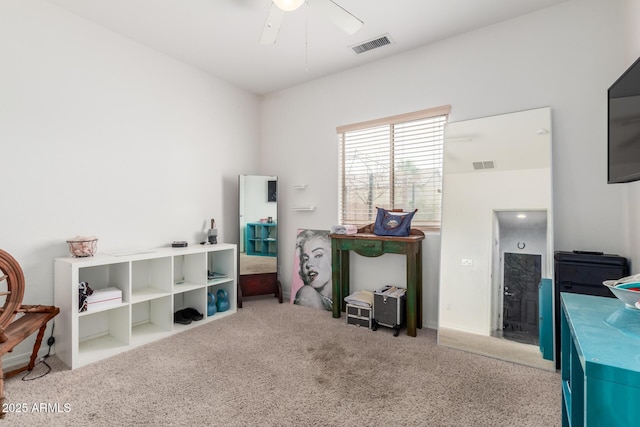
[
  {"x": 305, "y": 209},
  {"x": 154, "y": 284},
  {"x": 300, "y": 186}
]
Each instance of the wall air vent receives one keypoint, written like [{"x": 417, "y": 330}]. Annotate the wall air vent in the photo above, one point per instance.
[
  {"x": 487, "y": 164},
  {"x": 372, "y": 44}
]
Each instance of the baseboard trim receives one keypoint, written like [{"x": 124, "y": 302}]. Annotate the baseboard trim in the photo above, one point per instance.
[{"x": 13, "y": 361}]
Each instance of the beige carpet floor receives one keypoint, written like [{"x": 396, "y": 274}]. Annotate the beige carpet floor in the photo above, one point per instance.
[
  {"x": 282, "y": 365},
  {"x": 500, "y": 348}
]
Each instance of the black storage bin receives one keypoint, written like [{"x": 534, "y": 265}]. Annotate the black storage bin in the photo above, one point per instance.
[
  {"x": 389, "y": 303},
  {"x": 581, "y": 272}
]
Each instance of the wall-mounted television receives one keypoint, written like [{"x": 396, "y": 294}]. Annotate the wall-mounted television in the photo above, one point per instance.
[{"x": 624, "y": 127}]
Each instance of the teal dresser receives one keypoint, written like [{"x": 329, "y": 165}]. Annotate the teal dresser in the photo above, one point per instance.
[{"x": 600, "y": 362}]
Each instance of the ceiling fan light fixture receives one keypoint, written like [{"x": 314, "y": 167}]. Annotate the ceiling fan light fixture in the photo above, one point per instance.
[{"x": 288, "y": 5}]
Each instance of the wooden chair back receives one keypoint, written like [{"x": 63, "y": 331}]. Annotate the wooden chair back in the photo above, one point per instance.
[{"x": 32, "y": 318}]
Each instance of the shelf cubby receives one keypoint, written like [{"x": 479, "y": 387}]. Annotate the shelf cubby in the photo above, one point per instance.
[
  {"x": 150, "y": 278},
  {"x": 103, "y": 333},
  {"x": 151, "y": 320},
  {"x": 196, "y": 299},
  {"x": 262, "y": 239},
  {"x": 231, "y": 293},
  {"x": 189, "y": 270},
  {"x": 104, "y": 276},
  {"x": 221, "y": 262}
]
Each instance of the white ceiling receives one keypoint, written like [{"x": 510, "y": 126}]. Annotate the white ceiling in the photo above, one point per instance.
[
  {"x": 512, "y": 141},
  {"x": 222, "y": 37}
]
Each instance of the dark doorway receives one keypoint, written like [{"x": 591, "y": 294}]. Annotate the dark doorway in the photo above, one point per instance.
[{"x": 522, "y": 274}]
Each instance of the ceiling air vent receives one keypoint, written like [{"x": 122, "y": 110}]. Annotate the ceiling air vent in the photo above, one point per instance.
[
  {"x": 371, "y": 44},
  {"x": 488, "y": 164}
]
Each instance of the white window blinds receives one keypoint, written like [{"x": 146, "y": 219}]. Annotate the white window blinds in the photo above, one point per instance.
[{"x": 394, "y": 163}]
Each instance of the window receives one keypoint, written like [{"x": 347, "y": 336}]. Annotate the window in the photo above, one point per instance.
[{"x": 395, "y": 163}]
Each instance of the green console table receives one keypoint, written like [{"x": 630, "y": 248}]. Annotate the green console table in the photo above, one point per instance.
[
  {"x": 600, "y": 361},
  {"x": 371, "y": 245}
]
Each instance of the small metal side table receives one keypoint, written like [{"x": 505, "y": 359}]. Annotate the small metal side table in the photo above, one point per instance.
[{"x": 371, "y": 245}]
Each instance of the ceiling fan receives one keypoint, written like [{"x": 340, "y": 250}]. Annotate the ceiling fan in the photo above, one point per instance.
[{"x": 328, "y": 8}]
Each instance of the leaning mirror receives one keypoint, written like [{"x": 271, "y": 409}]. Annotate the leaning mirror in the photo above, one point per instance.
[
  {"x": 258, "y": 237},
  {"x": 497, "y": 240}
]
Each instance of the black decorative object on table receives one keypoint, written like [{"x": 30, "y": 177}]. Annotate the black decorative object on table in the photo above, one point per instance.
[{"x": 212, "y": 234}]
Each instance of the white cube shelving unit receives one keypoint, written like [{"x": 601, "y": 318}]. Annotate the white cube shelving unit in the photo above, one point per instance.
[{"x": 154, "y": 284}]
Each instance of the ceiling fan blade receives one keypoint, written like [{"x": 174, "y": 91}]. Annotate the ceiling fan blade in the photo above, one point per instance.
[
  {"x": 272, "y": 26},
  {"x": 336, "y": 14}
]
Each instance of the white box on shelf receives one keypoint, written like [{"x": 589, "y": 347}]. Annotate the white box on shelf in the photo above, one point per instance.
[{"x": 106, "y": 297}]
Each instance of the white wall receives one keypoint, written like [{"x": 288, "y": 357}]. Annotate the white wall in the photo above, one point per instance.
[
  {"x": 257, "y": 206},
  {"x": 466, "y": 291},
  {"x": 103, "y": 136},
  {"x": 564, "y": 57}
]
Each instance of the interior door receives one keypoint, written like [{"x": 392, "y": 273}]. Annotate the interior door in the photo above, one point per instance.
[{"x": 522, "y": 274}]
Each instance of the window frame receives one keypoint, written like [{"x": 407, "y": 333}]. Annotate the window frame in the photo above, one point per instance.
[{"x": 443, "y": 110}]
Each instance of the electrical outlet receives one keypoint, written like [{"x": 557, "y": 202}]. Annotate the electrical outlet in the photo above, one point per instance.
[{"x": 467, "y": 262}]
